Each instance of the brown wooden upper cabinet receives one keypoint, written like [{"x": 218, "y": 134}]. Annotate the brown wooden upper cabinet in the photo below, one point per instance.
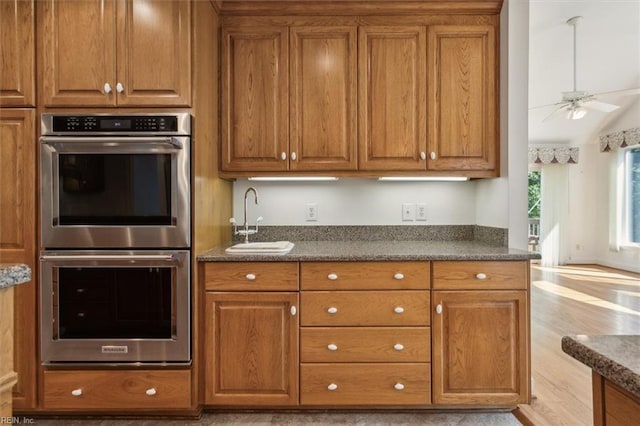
[
  {"x": 17, "y": 50},
  {"x": 462, "y": 98},
  {"x": 288, "y": 98},
  {"x": 104, "y": 53}
]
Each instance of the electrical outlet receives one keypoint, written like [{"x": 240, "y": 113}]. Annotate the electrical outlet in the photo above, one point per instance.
[
  {"x": 421, "y": 212},
  {"x": 311, "y": 212},
  {"x": 408, "y": 212}
]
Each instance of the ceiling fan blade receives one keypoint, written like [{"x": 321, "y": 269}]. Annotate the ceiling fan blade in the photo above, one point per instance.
[
  {"x": 558, "y": 112},
  {"x": 599, "y": 106},
  {"x": 557, "y": 104},
  {"x": 624, "y": 92}
]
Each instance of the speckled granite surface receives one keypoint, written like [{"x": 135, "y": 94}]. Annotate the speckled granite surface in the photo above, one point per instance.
[
  {"x": 616, "y": 358},
  {"x": 14, "y": 274},
  {"x": 378, "y": 250}
]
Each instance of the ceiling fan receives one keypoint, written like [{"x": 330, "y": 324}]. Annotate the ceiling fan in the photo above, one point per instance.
[{"x": 575, "y": 104}]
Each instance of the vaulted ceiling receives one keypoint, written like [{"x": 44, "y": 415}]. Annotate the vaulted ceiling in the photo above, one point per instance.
[{"x": 608, "y": 59}]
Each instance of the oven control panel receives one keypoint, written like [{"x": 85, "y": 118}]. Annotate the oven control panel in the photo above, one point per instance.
[{"x": 123, "y": 124}]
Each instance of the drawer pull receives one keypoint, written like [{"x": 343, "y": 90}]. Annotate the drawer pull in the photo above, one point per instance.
[
  {"x": 332, "y": 347},
  {"x": 398, "y": 309},
  {"x": 251, "y": 277},
  {"x": 332, "y": 310},
  {"x": 76, "y": 392},
  {"x": 423, "y": 155},
  {"x": 398, "y": 346},
  {"x": 481, "y": 276},
  {"x": 399, "y": 276},
  {"x": 151, "y": 391},
  {"x": 332, "y": 387},
  {"x": 398, "y": 386},
  {"x": 439, "y": 309},
  {"x": 332, "y": 277},
  {"x": 293, "y": 311}
]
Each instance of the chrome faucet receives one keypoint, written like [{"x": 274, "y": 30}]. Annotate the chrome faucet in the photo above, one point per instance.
[{"x": 247, "y": 230}]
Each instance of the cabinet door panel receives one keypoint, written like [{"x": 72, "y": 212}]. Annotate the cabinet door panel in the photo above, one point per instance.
[
  {"x": 480, "y": 347},
  {"x": 154, "y": 52},
  {"x": 323, "y": 98},
  {"x": 252, "y": 349},
  {"x": 17, "y": 238},
  {"x": 255, "y": 99},
  {"x": 77, "y": 48},
  {"x": 462, "y": 97},
  {"x": 17, "y": 49},
  {"x": 392, "y": 98}
]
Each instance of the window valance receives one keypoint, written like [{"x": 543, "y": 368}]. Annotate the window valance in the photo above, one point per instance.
[
  {"x": 620, "y": 139},
  {"x": 548, "y": 154}
]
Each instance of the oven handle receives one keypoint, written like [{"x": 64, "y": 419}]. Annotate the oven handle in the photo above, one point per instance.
[
  {"x": 97, "y": 257},
  {"x": 54, "y": 140}
]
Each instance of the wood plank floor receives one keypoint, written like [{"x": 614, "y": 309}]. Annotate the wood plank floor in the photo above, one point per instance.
[{"x": 577, "y": 299}]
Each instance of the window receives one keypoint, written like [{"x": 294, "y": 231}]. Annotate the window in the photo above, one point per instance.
[{"x": 631, "y": 229}]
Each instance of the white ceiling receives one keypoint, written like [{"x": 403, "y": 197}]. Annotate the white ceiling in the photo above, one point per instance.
[{"x": 608, "y": 59}]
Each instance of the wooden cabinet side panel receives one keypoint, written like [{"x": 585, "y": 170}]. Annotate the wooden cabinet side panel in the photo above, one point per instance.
[
  {"x": 154, "y": 53},
  {"x": 251, "y": 348},
  {"x": 462, "y": 97},
  {"x": 480, "y": 347},
  {"x": 17, "y": 50},
  {"x": 392, "y": 98},
  {"x": 255, "y": 99},
  {"x": 323, "y": 98},
  {"x": 76, "y": 48}
]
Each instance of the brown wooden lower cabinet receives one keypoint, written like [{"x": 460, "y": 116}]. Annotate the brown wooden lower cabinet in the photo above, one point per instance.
[
  {"x": 117, "y": 390},
  {"x": 612, "y": 405}
]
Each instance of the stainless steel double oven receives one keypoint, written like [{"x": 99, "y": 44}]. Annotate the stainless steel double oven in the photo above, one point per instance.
[{"x": 116, "y": 236}]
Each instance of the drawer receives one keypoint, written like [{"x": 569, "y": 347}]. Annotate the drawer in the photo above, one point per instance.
[
  {"x": 355, "y": 308},
  {"x": 501, "y": 275},
  {"x": 114, "y": 390},
  {"x": 365, "y": 344},
  {"x": 251, "y": 276},
  {"x": 364, "y": 275},
  {"x": 365, "y": 384}
]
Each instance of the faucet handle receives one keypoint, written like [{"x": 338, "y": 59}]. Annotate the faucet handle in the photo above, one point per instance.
[
  {"x": 259, "y": 219},
  {"x": 232, "y": 220}
]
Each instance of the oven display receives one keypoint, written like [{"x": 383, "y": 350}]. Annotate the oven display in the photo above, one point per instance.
[{"x": 115, "y": 124}]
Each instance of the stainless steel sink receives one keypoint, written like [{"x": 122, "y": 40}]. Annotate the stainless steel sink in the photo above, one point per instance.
[{"x": 273, "y": 247}]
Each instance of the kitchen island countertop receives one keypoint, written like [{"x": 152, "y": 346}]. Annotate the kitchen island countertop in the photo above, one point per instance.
[
  {"x": 376, "y": 251},
  {"x": 616, "y": 358},
  {"x": 13, "y": 274}
]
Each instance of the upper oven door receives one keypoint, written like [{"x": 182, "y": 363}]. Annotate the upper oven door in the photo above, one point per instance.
[{"x": 109, "y": 192}]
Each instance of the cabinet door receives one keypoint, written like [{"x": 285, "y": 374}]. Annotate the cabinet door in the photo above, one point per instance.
[
  {"x": 255, "y": 99},
  {"x": 153, "y": 53},
  {"x": 392, "y": 98},
  {"x": 77, "y": 52},
  {"x": 462, "y": 98},
  {"x": 17, "y": 50},
  {"x": 17, "y": 238},
  {"x": 251, "y": 349},
  {"x": 480, "y": 347},
  {"x": 323, "y": 98}
]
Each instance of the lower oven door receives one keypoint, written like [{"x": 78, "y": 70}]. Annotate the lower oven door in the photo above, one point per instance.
[{"x": 115, "y": 307}]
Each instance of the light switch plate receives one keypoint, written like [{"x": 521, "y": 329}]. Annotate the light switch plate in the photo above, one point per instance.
[{"x": 408, "y": 212}]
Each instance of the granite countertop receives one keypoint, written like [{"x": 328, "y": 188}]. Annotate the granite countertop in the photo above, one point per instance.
[
  {"x": 13, "y": 274},
  {"x": 377, "y": 250},
  {"x": 616, "y": 358}
]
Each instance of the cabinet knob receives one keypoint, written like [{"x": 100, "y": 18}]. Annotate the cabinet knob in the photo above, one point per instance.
[
  {"x": 439, "y": 309},
  {"x": 107, "y": 88},
  {"x": 481, "y": 276},
  {"x": 332, "y": 387},
  {"x": 398, "y": 386},
  {"x": 119, "y": 87},
  {"x": 80, "y": 314},
  {"x": 332, "y": 276},
  {"x": 251, "y": 277},
  {"x": 79, "y": 290},
  {"x": 76, "y": 392},
  {"x": 151, "y": 391},
  {"x": 423, "y": 155},
  {"x": 399, "y": 276},
  {"x": 432, "y": 155},
  {"x": 332, "y": 347},
  {"x": 283, "y": 156},
  {"x": 398, "y": 346},
  {"x": 332, "y": 310},
  {"x": 293, "y": 311},
  {"x": 294, "y": 156},
  {"x": 398, "y": 309}
]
